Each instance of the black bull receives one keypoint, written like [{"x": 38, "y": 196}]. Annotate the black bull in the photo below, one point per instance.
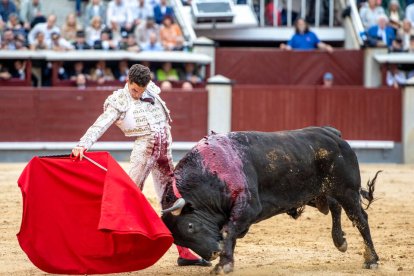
[{"x": 230, "y": 181}]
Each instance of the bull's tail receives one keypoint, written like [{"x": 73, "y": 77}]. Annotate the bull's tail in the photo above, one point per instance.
[{"x": 368, "y": 194}]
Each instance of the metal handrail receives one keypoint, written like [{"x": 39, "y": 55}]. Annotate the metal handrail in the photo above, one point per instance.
[
  {"x": 186, "y": 25},
  {"x": 356, "y": 21}
]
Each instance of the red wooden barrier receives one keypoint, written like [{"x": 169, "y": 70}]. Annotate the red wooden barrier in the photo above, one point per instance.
[
  {"x": 360, "y": 113},
  {"x": 64, "y": 114},
  {"x": 260, "y": 66}
]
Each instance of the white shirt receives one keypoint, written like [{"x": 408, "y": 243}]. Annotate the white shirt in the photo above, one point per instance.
[
  {"x": 398, "y": 78},
  {"x": 140, "y": 12},
  {"x": 118, "y": 13},
  {"x": 409, "y": 13},
  {"x": 370, "y": 17},
  {"x": 42, "y": 27}
]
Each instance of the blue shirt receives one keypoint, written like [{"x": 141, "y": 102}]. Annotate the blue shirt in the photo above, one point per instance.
[{"x": 306, "y": 41}]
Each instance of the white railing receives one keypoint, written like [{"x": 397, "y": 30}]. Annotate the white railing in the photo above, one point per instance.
[
  {"x": 289, "y": 18},
  {"x": 356, "y": 21},
  {"x": 186, "y": 26}
]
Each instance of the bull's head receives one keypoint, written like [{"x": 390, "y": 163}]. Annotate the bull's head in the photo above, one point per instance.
[{"x": 194, "y": 229}]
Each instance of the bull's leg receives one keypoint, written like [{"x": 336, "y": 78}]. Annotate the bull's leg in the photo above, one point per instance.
[
  {"x": 226, "y": 262},
  {"x": 352, "y": 205},
  {"x": 337, "y": 233}
]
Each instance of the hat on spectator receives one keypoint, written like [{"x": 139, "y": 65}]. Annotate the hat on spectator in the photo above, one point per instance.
[
  {"x": 328, "y": 76},
  {"x": 80, "y": 33}
]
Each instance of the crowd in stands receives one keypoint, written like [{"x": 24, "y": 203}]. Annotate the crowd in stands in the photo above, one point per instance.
[
  {"x": 130, "y": 25},
  {"x": 390, "y": 24}
]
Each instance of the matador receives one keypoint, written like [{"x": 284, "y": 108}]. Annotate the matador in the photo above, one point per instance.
[{"x": 138, "y": 110}]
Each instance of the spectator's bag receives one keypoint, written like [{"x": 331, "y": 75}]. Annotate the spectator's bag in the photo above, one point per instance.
[{"x": 80, "y": 219}]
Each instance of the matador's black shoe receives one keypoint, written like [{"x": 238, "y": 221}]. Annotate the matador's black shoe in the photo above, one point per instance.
[{"x": 187, "y": 262}]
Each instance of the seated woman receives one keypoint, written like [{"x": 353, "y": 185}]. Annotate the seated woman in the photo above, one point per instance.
[{"x": 171, "y": 35}]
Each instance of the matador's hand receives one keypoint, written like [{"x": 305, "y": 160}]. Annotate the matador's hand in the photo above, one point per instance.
[{"x": 78, "y": 151}]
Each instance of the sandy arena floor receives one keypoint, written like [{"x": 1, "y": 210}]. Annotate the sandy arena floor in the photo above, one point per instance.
[{"x": 278, "y": 246}]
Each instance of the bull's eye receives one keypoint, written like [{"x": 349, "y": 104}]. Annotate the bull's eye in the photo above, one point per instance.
[{"x": 190, "y": 227}]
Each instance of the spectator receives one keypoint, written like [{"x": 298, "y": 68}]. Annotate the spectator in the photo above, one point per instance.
[
  {"x": 166, "y": 72},
  {"x": 170, "y": 35},
  {"x": 47, "y": 28},
  {"x": 78, "y": 68},
  {"x": 269, "y": 13},
  {"x": 395, "y": 77},
  {"x": 15, "y": 25},
  {"x": 19, "y": 70},
  {"x": 153, "y": 44},
  {"x": 4, "y": 73},
  {"x": 304, "y": 39},
  {"x": 80, "y": 41},
  {"x": 327, "y": 80},
  {"x": 78, "y": 7},
  {"x": 94, "y": 30},
  {"x": 122, "y": 73},
  {"x": 128, "y": 43},
  {"x": 39, "y": 43},
  {"x": 31, "y": 10},
  {"x": 118, "y": 16},
  {"x": 187, "y": 86},
  {"x": 405, "y": 32},
  {"x": 394, "y": 13},
  {"x": 105, "y": 42},
  {"x": 143, "y": 31},
  {"x": 20, "y": 42},
  {"x": 93, "y": 9},
  {"x": 140, "y": 10},
  {"x": 397, "y": 45},
  {"x": 162, "y": 10},
  {"x": 101, "y": 73},
  {"x": 59, "y": 44},
  {"x": 8, "y": 42},
  {"x": 190, "y": 74},
  {"x": 381, "y": 34},
  {"x": 370, "y": 13},
  {"x": 81, "y": 81},
  {"x": 6, "y": 8},
  {"x": 166, "y": 85},
  {"x": 70, "y": 27},
  {"x": 409, "y": 13},
  {"x": 62, "y": 73}
]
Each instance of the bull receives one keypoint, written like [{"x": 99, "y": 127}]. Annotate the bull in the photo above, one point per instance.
[{"x": 230, "y": 181}]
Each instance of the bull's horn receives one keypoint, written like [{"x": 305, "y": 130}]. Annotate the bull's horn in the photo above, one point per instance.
[{"x": 176, "y": 208}]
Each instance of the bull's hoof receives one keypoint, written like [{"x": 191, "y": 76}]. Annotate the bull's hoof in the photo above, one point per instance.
[
  {"x": 222, "y": 269},
  {"x": 343, "y": 247},
  {"x": 371, "y": 265}
]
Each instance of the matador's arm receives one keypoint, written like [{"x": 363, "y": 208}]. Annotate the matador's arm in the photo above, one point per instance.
[{"x": 104, "y": 121}]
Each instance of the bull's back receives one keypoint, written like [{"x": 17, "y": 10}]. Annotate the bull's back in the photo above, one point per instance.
[{"x": 290, "y": 167}]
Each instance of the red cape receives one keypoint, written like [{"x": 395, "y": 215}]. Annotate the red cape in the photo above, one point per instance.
[{"x": 79, "y": 219}]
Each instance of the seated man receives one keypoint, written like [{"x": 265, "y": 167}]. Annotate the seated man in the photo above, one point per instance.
[
  {"x": 381, "y": 34},
  {"x": 304, "y": 39}
]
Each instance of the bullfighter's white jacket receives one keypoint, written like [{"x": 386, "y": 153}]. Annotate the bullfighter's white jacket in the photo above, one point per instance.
[{"x": 133, "y": 117}]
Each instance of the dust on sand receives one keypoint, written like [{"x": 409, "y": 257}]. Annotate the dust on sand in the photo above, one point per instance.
[{"x": 277, "y": 246}]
